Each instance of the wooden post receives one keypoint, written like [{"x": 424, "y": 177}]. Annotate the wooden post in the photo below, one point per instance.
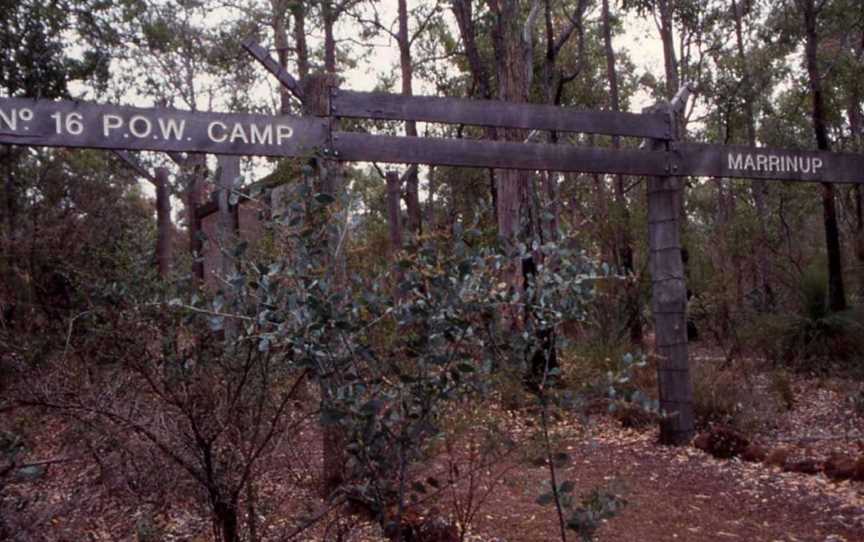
[
  {"x": 193, "y": 200},
  {"x": 229, "y": 167},
  {"x": 229, "y": 170},
  {"x": 317, "y": 92},
  {"x": 163, "y": 222},
  {"x": 669, "y": 295}
]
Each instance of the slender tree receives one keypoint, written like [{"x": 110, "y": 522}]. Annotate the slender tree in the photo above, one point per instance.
[{"x": 810, "y": 12}]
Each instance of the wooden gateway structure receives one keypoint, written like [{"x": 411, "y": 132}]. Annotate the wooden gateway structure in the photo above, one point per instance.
[{"x": 664, "y": 160}]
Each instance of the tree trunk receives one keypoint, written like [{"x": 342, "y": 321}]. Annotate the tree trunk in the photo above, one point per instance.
[
  {"x": 394, "y": 218},
  {"x": 280, "y": 40},
  {"x": 163, "y": 223},
  {"x": 298, "y": 10},
  {"x": 859, "y": 227},
  {"x": 430, "y": 200},
  {"x": 513, "y": 57},
  {"x": 226, "y": 519},
  {"x": 836, "y": 292},
  {"x": 624, "y": 238},
  {"x": 855, "y": 126},
  {"x": 10, "y": 196},
  {"x": 667, "y": 36},
  {"x": 412, "y": 198},
  {"x": 329, "y": 16},
  {"x": 758, "y": 187},
  {"x": 463, "y": 11}
]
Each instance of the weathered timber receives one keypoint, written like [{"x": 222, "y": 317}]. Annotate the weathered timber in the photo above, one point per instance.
[
  {"x": 229, "y": 171},
  {"x": 163, "y": 221},
  {"x": 86, "y": 125},
  {"x": 669, "y": 301},
  {"x": 381, "y": 105},
  {"x": 196, "y": 171},
  {"x": 135, "y": 166},
  {"x": 270, "y": 64},
  {"x": 350, "y": 146},
  {"x": 739, "y": 161}
]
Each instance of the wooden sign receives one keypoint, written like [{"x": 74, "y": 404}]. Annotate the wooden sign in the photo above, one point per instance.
[
  {"x": 736, "y": 161},
  {"x": 86, "y": 125},
  {"x": 351, "y": 146},
  {"x": 381, "y": 105}
]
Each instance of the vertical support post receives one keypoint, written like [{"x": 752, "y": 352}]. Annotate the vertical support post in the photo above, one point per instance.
[
  {"x": 193, "y": 200},
  {"x": 163, "y": 222},
  {"x": 229, "y": 171},
  {"x": 229, "y": 167},
  {"x": 669, "y": 295},
  {"x": 317, "y": 91}
]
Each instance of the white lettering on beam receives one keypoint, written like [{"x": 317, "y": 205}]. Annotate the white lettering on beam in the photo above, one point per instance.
[
  {"x": 140, "y": 126},
  {"x": 10, "y": 119},
  {"x": 254, "y": 134},
  {"x": 211, "y": 132},
  {"x": 262, "y": 135},
  {"x": 736, "y": 161},
  {"x": 770, "y": 163},
  {"x": 111, "y": 122},
  {"x": 171, "y": 128},
  {"x": 283, "y": 132}
]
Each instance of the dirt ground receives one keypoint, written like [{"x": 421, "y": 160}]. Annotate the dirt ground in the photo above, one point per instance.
[{"x": 672, "y": 493}]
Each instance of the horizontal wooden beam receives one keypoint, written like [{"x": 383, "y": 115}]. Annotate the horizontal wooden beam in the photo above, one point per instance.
[
  {"x": 48, "y": 123},
  {"x": 380, "y": 105},
  {"x": 735, "y": 161},
  {"x": 350, "y": 146}
]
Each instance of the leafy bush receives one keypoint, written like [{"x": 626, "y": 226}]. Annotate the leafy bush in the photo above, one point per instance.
[{"x": 811, "y": 337}]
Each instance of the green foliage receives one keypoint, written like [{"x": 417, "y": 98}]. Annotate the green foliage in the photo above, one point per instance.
[
  {"x": 585, "y": 514},
  {"x": 811, "y": 337},
  {"x": 34, "y": 36}
]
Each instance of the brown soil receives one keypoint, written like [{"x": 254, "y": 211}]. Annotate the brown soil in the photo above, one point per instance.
[{"x": 672, "y": 494}]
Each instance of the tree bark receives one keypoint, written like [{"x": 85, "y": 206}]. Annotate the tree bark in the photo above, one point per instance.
[
  {"x": 163, "y": 223},
  {"x": 855, "y": 126},
  {"x": 463, "y": 11},
  {"x": 758, "y": 187},
  {"x": 394, "y": 215},
  {"x": 280, "y": 40},
  {"x": 10, "y": 196},
  {"x": 298, "y": 11},
  {"x": 667, "y": 36},
  {"x": 513, "y": 55},
  {"x": 624, "y": 238},
  {"x": 329, "y": 14},
  {"x": 836, "y": 291},
  {"x": 412, "y": 197}
]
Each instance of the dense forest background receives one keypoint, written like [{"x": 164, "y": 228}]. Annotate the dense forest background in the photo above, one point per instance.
[{"x": 374, "y": 316}]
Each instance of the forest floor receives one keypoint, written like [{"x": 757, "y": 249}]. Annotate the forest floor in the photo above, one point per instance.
[{"x": 671, "y": 493}]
